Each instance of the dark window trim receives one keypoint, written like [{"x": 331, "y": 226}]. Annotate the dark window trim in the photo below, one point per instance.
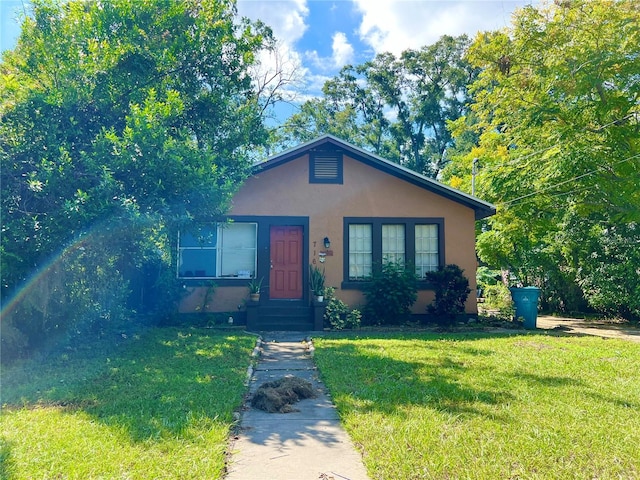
[
  {"x": 376, "y": 243},
  {"x": 312, "y": 167}
]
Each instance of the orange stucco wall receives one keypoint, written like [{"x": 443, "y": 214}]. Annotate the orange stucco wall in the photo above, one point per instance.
[{"x": 366, "y": 192}]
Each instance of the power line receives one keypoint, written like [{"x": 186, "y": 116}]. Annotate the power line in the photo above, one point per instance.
[
  {"x": 511, "y": 202},
  {"x": 518, "y": 159}
]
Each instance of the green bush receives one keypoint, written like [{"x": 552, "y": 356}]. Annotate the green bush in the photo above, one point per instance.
[
  {"x": 353, "y": 319},
  {"x": 13, "y": 343},
  {"x": 452, "y": 289},
  {"x": 337, "y": 314},
  {"x": 390, "y": 294},
  {"x": 80, "y": 293},
  {"x": 498, "y": 297}
]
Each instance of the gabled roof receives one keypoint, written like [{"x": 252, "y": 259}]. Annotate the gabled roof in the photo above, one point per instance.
[{"x": 482, "y": 209}]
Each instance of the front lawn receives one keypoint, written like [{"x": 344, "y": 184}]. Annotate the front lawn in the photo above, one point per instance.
[
  {"x": 525, "y": 406},
  {"x": 158, "y": 405}
]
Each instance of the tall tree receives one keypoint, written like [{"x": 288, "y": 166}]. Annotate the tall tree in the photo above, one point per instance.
[
  {"x": 556, "y": 110},
  {"x": 396, "y": 107},
  {"x": 123, "y": 111}
]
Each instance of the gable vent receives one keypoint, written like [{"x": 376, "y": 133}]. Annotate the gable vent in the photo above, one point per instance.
[{"x": 326, "y": 167}]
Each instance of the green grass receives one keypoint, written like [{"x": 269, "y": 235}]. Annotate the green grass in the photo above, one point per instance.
[
  {"x": 488, "y": 407},
  {"x": 158, "y": 405}
]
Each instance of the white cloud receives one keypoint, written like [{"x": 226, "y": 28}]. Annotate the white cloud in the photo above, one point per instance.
[
  {"x": 396, "y": 25},
  {"x": 382, "y": 26},
  {"x": 342, "y": 50},
  {"x": 342, "y": 54},
  {"x": 285, "y": 17},
  {"x": 284, "y": 65}
]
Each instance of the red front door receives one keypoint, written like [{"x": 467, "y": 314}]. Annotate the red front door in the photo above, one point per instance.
[{"x": 285, "y": 280}]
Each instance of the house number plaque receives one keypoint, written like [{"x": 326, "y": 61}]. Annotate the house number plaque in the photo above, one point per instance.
[{"x": 320, "y": 256}]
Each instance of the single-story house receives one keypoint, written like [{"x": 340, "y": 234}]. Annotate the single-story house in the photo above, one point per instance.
[{"x": 334, "y": 205}]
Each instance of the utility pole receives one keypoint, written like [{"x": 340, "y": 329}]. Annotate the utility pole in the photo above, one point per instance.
[{"x": 474, "y": 170}]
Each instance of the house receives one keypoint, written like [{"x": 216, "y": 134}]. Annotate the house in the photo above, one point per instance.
[{"x": 334, "y": 205}]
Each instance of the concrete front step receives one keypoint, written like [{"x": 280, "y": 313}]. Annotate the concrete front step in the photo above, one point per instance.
[{"x": 284, "y": 318}]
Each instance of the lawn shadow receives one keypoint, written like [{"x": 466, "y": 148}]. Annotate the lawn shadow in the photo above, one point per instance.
[
  {"x": 371, "y": 379},
  {"x": 375, "y": 381},
  {"x": 182, "y": 382},
  {"x": 7, "y": 463},
  {"x": 164, "y": 384},
  {"x": 550, "y": 381}
]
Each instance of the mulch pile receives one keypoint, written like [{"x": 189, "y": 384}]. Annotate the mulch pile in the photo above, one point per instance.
[{"x": 278, "y": 396}]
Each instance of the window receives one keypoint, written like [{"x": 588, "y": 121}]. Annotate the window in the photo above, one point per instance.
[
  {"x": 427, "y": 258},
  {"x": 393, "y": 244},
  {"x": 228, "y": 250},
  {"x": 372, "y": 241},
  {"x": 325, "y": 166},
  {"x": 360, "y": 252}
]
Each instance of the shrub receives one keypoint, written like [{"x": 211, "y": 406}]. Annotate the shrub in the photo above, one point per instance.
[
  {"x": 337, "y": 314},
  {"x": 452, "y": 289},
  {"x": 80, "y": 293},
  {"x": 498, "y": 297},
  {"x": 390, "y": 294},
  {"x": 354, "y": 318},
  {"x": 13, "y": 343}
]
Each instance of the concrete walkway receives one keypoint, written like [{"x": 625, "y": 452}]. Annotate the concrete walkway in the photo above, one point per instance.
[
  {"x": 308, "y": 443},
  {"x": 589, "y": 327}
]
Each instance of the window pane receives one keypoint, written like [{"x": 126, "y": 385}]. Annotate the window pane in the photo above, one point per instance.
[
  {"x": 360, "y": 251},
  {"x": 393, "y": 243},
  {"x": 206, "y": 237},
  {"x": 197, "y": 253},
  {"x": 237, "y": 250},
  {"x": 197, "y": 262},
  {"x": 426, "y": 249}
]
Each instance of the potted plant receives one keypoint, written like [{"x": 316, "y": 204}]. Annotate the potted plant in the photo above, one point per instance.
[
  {"x": 316, "y": 282},
  {"x": 254, "y": 289}
]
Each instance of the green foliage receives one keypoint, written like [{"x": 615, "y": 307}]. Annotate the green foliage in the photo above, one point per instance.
[
  {"x": 144, "y": 404},
  {"x": 353, "y": 319},
  {"x": 486, "y": 276},
  {"x": 487, "y": 406},
  {"x": 138, "y": 117},
  {"x": 79, "y": 293},
  {"x": 451, "y": 289},
  {"x": 555, "y": 113},
  {"x": 494, "y": 293},
  {"x": 611, "y": 279},
  {"x": 255, "y": 285},
  {"x": 316, "y": 280},
  {"x": 166, "y": 293},
  {"x": 337, "y": 314},
  {"x": 498, "y": 297},
  {"x": 424, "y": 88},
  {"x": 390, "y": 294}
]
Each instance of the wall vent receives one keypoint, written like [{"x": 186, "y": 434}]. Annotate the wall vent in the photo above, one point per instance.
[{"x": 326, "y": 167}]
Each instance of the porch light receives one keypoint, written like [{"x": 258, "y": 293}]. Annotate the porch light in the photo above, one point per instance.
[{"x": 327, "y": 242}]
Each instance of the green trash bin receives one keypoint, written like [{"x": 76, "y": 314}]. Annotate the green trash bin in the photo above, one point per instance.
[{"x": 525, "y": 300}]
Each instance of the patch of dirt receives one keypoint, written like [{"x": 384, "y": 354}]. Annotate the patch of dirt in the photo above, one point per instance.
[{"x": 278, "y": 396}]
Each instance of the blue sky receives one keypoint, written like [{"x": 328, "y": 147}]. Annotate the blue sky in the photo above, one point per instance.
[{"x": 318, "y": 37}]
